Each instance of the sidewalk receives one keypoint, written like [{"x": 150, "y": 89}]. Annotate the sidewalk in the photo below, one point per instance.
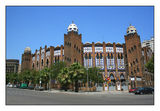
[{"x": 88, "y": 93}]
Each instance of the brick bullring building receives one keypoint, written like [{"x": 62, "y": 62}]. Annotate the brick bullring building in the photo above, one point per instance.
[{"x": 122, "y": 63}]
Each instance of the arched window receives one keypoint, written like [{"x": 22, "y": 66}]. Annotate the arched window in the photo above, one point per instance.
[
  {"x": 111, "y": 76},
  {"x": 33, "y": 65},
  {"x": 55, "y": 59},
  {"x": 86, "y": 56},
  {"x": 100, "y": 55},
  {"x": 134, "y": 47},
  {"x": 121, "y": 56},
  {"x": 118, "y": 56},
  {"x": 89, "y": 56},
  {"x": 133, "y": 63},
  {"x": 37, "y": 63},
  {"x": 131, "y": 73},
  {"x": 47, "y": 62},
  {"x": 122, "y": 77},
  {"x": 137, "y": 69},
  {"x": 108, "y": 56},
  {"x": 129, "y": 50},
  {"x": 58, "y": 58},
  {"x": 111, "y": 56},
  {"x": 42, "y": 62},
  {"x": 97, "y": 56}
]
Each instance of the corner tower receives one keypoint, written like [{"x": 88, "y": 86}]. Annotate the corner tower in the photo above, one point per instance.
[
  {"x": 134, "y": 57},
  {"x": 26, "y": 60},
  {"x": 72, "y": 45}
]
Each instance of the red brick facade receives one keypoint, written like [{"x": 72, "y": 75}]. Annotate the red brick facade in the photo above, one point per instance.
[
  {"x": 134, "y": 58},
  {"x": 72, "y": 48},
  {"x": 122, "y": 63}
]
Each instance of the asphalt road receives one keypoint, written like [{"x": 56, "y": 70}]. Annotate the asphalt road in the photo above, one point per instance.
[{"x": 15, "y": 96}]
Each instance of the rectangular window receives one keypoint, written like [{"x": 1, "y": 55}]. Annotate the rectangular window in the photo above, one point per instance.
[
  {"x": 48, "y": 53},
  {"x": 120, "y": 63},
  {"x": 86, "y": 62},
  {"x": 90, "y": 62},
  {"x": 109, "y": 49},
  {"x": 98, "y": 49},
  {"x": 42, "y": 56},
  {"x": 119, "y": 50},
  {"x": 110, "y": 63},
  {"x": 57, "y": 52},
  {"x": 87, "y": 49},
  {"x": 97, "y": 62}
]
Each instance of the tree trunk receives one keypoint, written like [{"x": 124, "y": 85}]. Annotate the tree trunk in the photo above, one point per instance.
[{"x": 76, "y": 86}]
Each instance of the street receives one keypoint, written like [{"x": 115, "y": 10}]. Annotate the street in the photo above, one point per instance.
[{"x": 15, "y": 96}]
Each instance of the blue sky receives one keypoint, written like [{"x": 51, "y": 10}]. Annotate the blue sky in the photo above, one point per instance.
[{"x": 39, "y": 26}]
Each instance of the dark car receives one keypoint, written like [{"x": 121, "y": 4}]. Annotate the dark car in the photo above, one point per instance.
[
  {"x": 31, "y": 87},
  {"x": 39, "y": 88},
  {"x": 144, "y": 90}
]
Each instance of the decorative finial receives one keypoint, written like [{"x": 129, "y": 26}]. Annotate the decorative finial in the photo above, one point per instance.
[
  {"x": 72, "y": 22},
  {"x": 129, "y": 24}
]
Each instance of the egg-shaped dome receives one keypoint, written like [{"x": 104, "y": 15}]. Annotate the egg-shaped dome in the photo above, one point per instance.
[
  {"x": 27, "y": 50},
  {"x": 72, "y": 27},
  {"x": 131, "y": 30}
]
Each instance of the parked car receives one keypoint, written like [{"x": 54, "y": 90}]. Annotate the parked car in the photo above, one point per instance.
[
  {"x": 39, "y": 88},
  {"x": 31, "y": 87},
  {"x": 23, "y": 86},
  {"x": 9, "y": 85},
  {"x": 144, "y": 90},
  {"x": 14, "y": 86},
  {"x": 132, "y": 90},
  {"x": 152, "y": 89},
  {"x": 18, "y": 85}
]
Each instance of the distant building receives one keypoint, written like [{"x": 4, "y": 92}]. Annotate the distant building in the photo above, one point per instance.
[
  {"x": 149, "y": 43},
  {"x": 148, "y": 77},
  {"x": 19, "y": 68},
  {"x": 26, "y": 59},
  {"x": 12, "y": 66}
]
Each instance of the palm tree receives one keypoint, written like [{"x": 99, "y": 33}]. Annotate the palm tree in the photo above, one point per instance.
[
  {"x": 77, "y": 73},
  {"x": 55, "y": 69},
  {"x": 44, "y": 76},
  {"x": 64, "y": 78}
]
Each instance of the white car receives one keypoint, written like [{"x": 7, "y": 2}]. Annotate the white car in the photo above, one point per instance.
[{"x": 9, "y": 85}]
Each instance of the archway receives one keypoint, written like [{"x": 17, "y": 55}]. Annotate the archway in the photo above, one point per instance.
[
  {"x": 123, "y": 82},
  {"x": 112, "y": 84}
]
